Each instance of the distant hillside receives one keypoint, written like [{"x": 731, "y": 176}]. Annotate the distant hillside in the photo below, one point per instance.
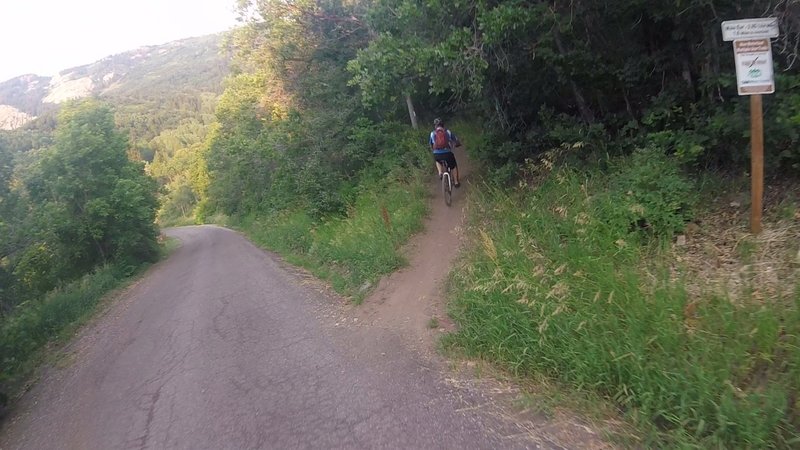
[{"x": 190, "y": 66}]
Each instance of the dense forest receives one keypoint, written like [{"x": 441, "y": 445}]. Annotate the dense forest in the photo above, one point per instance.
[
  {"x": 592, "y": 120},
  {"x": 82, "y": 203}
]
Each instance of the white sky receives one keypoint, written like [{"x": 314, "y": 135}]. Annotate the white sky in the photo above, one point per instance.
[{"x": 46, "y": 36}]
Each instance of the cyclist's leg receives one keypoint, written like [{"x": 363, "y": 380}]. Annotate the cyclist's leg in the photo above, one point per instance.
[
  {"x": 439, "y": 167},
  {"x": 451, "y": 160}
]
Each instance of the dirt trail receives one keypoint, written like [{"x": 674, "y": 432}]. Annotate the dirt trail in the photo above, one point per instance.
[
  {"x": 404, "y": 303},
  {"x": 407, "y": 299}
]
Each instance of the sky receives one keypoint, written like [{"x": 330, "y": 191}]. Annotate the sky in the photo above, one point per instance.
[{"x": 47, "y": 36}]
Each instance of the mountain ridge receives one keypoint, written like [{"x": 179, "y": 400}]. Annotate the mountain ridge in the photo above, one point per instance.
[{"x": 145, "y": 72}]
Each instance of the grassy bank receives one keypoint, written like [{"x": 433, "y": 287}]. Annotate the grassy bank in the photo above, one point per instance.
[
  {"x": 574, "y": 278},
  {"x": 354, "y": 250},
  {"x": 34, "y": 325}
]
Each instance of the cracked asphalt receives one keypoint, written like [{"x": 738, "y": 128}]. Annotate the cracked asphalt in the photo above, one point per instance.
[{"x": 220, "y": 346}]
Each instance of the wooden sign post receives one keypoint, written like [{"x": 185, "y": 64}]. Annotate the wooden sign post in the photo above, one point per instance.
[
  {"x": 756, "y": 162},
  {"x": 752, "y": 50}
]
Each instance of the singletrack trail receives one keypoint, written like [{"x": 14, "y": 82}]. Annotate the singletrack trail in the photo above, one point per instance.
[
  {"x": 222, "y": 346},
  {"x": 405, "y": 302},
  {"x": 408, "y": 299}
]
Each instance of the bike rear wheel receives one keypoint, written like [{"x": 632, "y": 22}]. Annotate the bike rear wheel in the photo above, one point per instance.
[{"x": 447, "y": 188}]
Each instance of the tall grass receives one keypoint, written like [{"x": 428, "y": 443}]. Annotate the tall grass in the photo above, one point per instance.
[
  {"x": 351, "y": 252},
  {"x": 562, "y": 283},
  {"x": 34, "y": 324}
]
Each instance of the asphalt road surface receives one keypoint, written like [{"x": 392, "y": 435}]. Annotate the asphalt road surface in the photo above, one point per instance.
[{"x": 221, "y": 346}]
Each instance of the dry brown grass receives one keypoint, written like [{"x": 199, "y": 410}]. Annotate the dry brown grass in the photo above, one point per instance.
[{"x": 721, "y": 256}]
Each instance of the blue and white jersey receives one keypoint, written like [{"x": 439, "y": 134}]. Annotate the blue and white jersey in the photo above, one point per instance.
[{"x": 451, "y": 137}]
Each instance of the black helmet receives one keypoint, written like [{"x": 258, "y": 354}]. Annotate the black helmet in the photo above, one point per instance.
[{"x": 437, "y": 121}]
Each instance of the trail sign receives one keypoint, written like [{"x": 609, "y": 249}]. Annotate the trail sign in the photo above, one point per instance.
[
  {"x": 765, "y": 28},
  {"x": 754, "y": 66},
  {"x": 752, "y": 49}
]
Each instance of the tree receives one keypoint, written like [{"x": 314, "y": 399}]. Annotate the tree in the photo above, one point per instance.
[
  {"x": 97, "y": 206},
  {"x": 7, "y": 282},
  {"x": 543, "y": 72},
  {"x": 284, "y": 121}
]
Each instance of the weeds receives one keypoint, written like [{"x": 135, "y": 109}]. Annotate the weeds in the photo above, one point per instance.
[
  {"x": 561, "y": 284},
  {"x": 746, "y": 249},
  {"x": 24, "y": 334},
  {"x": 34, "y": 325},
  {"x": 358, "y": 248}
]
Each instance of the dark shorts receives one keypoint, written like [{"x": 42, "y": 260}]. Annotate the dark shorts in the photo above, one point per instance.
[{"x": 449, "y": 157}]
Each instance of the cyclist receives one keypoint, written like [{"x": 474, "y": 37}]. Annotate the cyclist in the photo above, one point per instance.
[{"x": 442, "y": 142}]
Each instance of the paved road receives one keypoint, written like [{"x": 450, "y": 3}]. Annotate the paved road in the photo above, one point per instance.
[{"x": 222, "y": 347}]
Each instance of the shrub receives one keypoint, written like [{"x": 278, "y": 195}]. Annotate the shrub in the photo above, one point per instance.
[
  {"x": 650, "y": 192},
  {"x": 384, "y": 205}
]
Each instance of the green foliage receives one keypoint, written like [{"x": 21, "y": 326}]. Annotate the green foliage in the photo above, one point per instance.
[
  {"x": 559, "y": 285},
  {"x": 76, "y": 214},
  {"x": 358, "y": 248},
  {"x": 649, "y": 191},
  {"x": 68, "y": 209},
  {"x": 99, "y": 205},
  {"x": 180, "y": 117},
  {"x": 299, "y": 162},
  {"x": 177, "y": 207},
  {"x": 24, "y": 140},
  {"x": 14, "y": 221},
  {"x": 644, "y": 73},
  {"x": 180, "y": 168},
  {"x": 559, "y": 134},
  {"x": 782, "y": 117},
  {"x": 25, "y": 333},
  {"x": 6, "y": 171},
  {"x": 265, "y": 157},
  {"x": 387, "y": 68}
]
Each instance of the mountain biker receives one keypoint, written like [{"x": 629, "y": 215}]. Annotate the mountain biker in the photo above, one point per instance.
[{"x": 442, "y": 142}]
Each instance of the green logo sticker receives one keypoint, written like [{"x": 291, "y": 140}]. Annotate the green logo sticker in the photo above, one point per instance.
[{"x": 755, "y": 73}]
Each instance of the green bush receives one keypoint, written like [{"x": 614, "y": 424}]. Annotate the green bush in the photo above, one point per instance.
[
  {"x": 781, "y": 121},
  {"x": 649, "y": 191}
]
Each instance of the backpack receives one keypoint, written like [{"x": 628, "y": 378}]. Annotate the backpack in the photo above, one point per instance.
[{"x": 440, "y": 140}]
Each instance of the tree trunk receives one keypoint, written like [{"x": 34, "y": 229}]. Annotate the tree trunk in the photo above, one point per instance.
[
  {"x": 583, "y": 107},
  {"x": 411, "y": 112},
  {"x": 100, "y": 249}
]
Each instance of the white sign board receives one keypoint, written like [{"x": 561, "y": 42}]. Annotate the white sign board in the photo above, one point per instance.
[
  {"x": 754, "y": 66},
  {"x": 766, "y": 28}
]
